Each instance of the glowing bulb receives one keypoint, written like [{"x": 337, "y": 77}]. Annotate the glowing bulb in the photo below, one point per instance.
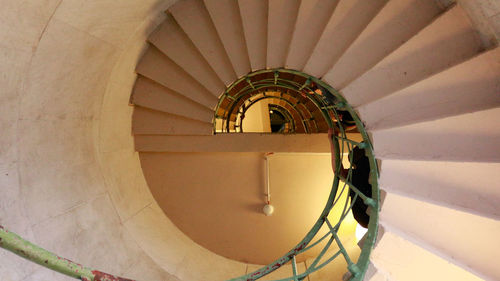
[
  {"x": 270, "y": 111},
  {"x": 268, "y": 209}
]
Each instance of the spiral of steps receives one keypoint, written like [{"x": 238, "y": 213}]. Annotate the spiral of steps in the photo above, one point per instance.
[
  {"x": 424, "y": 83},
  {"x": 417, "y": 73}
]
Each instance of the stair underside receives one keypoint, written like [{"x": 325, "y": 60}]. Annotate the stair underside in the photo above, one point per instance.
[{"x": 418, "y": 75}]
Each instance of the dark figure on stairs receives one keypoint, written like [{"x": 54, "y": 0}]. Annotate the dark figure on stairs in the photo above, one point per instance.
[{"x": 360, "y": 175}]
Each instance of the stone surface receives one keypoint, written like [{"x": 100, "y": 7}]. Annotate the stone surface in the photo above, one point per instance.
[
  {"x": 13, "y": 216},
  {"x": 164, "y": 242},
  {"x": 58, "y": 168},
  {"x": 147, "y": 270},
  {"x": 67, "y": 76},
  {"x": 109, "y": 20},
  {"x": 23, "y": 22},
  {"x": 11, "y": 78},
  {"x": 50, "y": 178},
  {"x": 125, "y": 182},
  {"x": 458, "y": 237},
  {"x": 90, "y": 234},
  {"x": 410, "y": 261},
  {"x": 234, "y": 143}
]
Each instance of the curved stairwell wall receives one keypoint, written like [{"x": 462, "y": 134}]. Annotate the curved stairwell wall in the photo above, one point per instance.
[{"x": 72, "y": 182}]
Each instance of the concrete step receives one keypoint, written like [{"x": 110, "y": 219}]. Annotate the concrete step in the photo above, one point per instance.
[
  {"x": 226, "y": 17},
  {"x": 461, "y": 238},
  {"x": 467, "y": 186},
  {"x": 173, "y": 42},
  {"x": 375, "y": 274},
  {"x": 282, "y": 15},
  {"x": 159, "y": 68},
  {"x": 254, "y": 19},
  {"x": 396, "y": 23},
  {"x": 396, "y": 258},
  {"x": 238, "y": 142},
  {"x": 195, "y": 20},
  {"x": 344, "y": 26},
  {"x": 470, "y": 137},
  {"x": 447, "y": 41},
  {"x": 150, "y": 94},
  {"x": 311, "y": 21},
  {"x": 470, "y": 86},
  {"x": 151, "y": 122}
]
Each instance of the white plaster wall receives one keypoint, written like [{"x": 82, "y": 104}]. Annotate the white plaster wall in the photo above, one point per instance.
[{"x": 69, "y": 178}]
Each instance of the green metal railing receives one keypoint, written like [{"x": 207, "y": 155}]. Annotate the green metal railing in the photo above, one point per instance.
[
  {"x": 14, "y": 243},
  {"x": 250, "y": 85},
  {"x": 330, "y": 103}
]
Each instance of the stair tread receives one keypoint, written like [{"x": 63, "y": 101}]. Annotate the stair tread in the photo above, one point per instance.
[
  {"x": 311, "y": 21},
  {"x": 281, "y": 22},
  {"x": 404, "y": 260},
  {"x": 467, "y": 186},
  {"x": 447, "y": 41},
  {"x": 454, "y": 234},
  {"x": 152, "y": 122},
  {"x": 254, "y": 19},
  {"x": 347, "y": 22},
  {"x": 226, "y": 17},
  {"x": 173, "y": 42},
  {"x": 470, "y": 86},
  {"x": 397, "y": 22},
  {"x": 237, "y": 142},
  {"x": 195, "y": 20},
  {"x": 467, "y": 138},
  {"x": 152, "y": 95},
  {"x": 158, "y": 67}
]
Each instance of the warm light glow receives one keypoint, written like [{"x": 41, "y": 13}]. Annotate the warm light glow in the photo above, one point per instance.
[
  {"x": 268, "y": 209},
  {"x": 360, "y": 232},
  {"x": 257, "y": 118}
]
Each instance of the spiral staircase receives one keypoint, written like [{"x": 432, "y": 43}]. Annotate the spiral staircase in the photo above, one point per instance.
[{"x": 419, "y": 74}]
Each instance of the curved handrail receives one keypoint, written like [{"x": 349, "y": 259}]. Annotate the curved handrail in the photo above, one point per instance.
[
  {"x": 256, "y": 86},
  {"x": 21, "y": 247},
  {"x": 329, "y": 103}
]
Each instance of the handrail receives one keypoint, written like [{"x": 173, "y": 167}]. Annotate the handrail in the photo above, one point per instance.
[
  {"x": 17, "y": 245},
  {"x": 255, "y": 87},
  {"x": 329, "y": 103}
]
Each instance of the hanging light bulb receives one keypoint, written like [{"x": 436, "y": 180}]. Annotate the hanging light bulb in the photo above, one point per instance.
[{"x": 268, "y": 209}]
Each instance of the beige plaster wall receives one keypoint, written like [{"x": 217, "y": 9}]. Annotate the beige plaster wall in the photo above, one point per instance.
[
  {"x": 56, "y": 60},
  {"x": 257, "y": 118},
  {"x": 217, "y": 200}
]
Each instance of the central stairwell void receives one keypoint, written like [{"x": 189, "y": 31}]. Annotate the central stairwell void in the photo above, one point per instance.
[{"x": 314, "y": 107}]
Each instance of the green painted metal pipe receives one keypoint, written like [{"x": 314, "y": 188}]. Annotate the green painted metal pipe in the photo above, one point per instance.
[{"x": 21, "y": 247}]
